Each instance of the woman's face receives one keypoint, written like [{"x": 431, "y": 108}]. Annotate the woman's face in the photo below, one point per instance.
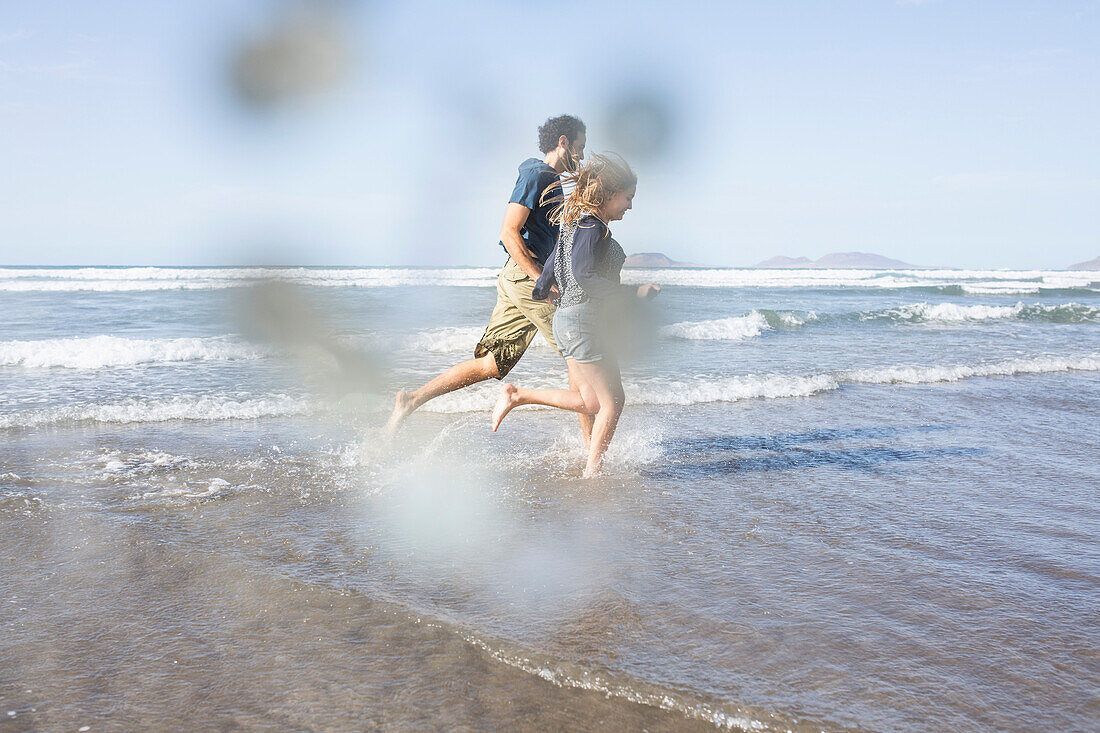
[{"x": 619, "y": 203}]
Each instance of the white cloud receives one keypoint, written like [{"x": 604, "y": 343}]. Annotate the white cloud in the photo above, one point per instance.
[
  {"x": 71, "y": 68},
  {"x": 17, "y": 35},
  {"x": 1010, "y": 181},
  {"x": 987, "y": 179}
]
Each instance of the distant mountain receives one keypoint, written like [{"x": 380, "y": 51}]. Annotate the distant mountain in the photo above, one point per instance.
[
  {"x": 1093, "y": 264},
  {"x": 840, "y": 261},
  {"x": 653, "y": 259},
  {"x": 782, "y": 261},
  {"x": 861, "y": 260}
]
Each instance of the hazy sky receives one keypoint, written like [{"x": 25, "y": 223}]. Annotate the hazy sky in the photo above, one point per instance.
[{"x": 944, "y": 133}]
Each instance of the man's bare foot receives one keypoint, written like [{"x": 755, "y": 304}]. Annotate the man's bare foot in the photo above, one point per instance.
[
  {"x": 402, "y": 408},
  {"x": 507, "y": 400}
]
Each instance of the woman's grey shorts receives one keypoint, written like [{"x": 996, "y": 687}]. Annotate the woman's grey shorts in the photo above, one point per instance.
[{"x": 577, "y": 331}]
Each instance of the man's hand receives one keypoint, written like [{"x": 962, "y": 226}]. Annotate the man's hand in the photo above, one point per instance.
[
  {"x": 649, "y": 290},
  {"x": 515, "y": 217}
]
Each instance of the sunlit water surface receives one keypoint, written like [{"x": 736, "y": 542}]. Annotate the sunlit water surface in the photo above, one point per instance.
[{"x": 837, "y": 501}]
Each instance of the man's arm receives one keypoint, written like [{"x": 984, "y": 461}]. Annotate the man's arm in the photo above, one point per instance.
[{"x": 515, "y": 216}]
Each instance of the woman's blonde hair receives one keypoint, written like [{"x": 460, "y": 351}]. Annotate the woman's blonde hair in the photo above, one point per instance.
[{"x": 602, "y": 176}]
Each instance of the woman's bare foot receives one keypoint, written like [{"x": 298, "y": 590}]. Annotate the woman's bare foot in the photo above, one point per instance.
[
  {"x": 507, "y": 400},
  {"x": 402, "y": 408}
]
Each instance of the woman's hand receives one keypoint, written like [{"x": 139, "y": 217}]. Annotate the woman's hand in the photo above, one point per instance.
[{"x": 649, "y": 290}]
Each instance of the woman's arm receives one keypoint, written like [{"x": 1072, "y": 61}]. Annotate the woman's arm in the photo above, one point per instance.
[
  {"x": 588, "y": 244},
  {"x": 547, "y": 282}
]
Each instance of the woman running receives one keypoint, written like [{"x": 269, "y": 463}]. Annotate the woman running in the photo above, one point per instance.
[{"x": 584, "y": 268}]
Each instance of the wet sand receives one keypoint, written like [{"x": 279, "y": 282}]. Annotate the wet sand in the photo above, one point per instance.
[{"x": 115, "y": 629}]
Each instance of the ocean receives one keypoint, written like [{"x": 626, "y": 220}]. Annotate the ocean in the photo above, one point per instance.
[{"x": 837, "y": 500}]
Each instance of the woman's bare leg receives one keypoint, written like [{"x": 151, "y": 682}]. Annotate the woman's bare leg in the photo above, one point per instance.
[
  {"x": 585, "y": 418},
  {"x": 603, "y": 377},
  {"x": 581, "y": 400}
]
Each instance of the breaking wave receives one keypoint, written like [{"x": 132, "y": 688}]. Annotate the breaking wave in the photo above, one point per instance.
[
  {"x": 953, "y": 313},
  {"x": 97, "y": 352},
  {"x": 704, "y": 390},
  {"x": 753, "y": 324},
  {"x": 453, "y": 339},
  {"x": 136, "y": 279},
  {"x": 946, "y": 312},
  {"x": 480, "y": 398},
  {"x": 130, "y": 279},
  {"x": 957, "y": 282},
  {"x": 1004, "y": 368},
  {"x": 148, "y": 411},
  {"x": 737, "y": 328},
  {"x": 728, "y": 389}
]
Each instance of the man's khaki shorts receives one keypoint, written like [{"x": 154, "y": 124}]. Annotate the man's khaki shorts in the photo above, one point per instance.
[{"x": 516, "y": 318}]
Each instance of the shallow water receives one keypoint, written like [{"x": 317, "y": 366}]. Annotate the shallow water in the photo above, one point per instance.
[{"x": 837, "y": 501}]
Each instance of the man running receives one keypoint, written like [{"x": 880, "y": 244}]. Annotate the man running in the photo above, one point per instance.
[{"x": 528, "y": 237}]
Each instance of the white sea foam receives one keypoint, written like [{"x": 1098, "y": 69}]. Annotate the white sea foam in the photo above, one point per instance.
[
  {"x": 109, "y": 286},
  {"x": 109, "y": 279},
  {"x": 443, "y": 339},
  {"x": 215, "y": 487},
  {"x": 736, "y": 328},
  {"x": 1002, "y": 288},
  {"x": 727, "y": 389},
  {"x": 480, "y": 398},
  {"x": 657, "y": 391},
  {"x": 570, "y": 676},
  {"x": 790, "y": 319},
  {"x": 754, "y": 323},
  {"x": 952, "y": 313},
  {"x": 953, "y": 373},
  {"x": 128, "y": 279},
  {"x": 955, "y": 313},
  {"x": 97, "y": 352},
  {"x": 175, "y": 408},
  {"x": 141, "y": 462},
  {"x": 704, "y": 390},
  {"x": 453, "y": 339},
  {"x": 1064, "y": 313},
  {"x": 638, "y": 443},
  {"x": 976, "y": 281}
]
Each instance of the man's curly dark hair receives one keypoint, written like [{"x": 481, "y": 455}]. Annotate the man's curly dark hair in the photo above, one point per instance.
[{"x": 555, "y": 127}]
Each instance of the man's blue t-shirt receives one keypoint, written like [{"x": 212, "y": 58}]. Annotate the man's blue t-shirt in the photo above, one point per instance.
[{"x": 538, "y": 233}]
